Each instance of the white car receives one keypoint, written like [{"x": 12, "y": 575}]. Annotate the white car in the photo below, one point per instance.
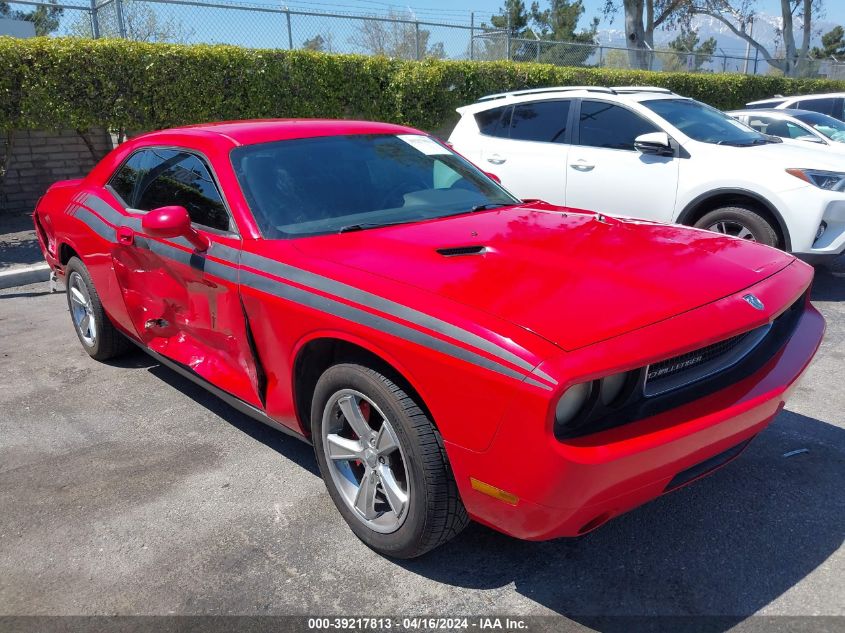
[
  {"x": 649, "y": 153},
  {"x": 831, "y": 103},
  {"x": 797, "y": 126}
]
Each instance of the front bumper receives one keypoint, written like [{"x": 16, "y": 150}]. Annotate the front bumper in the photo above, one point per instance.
[
  {"x": 814, "y": 208},
  {"x": 567, "y": 488}
]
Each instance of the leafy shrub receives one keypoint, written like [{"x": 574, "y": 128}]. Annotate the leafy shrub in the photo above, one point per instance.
[{"x": 61, "y": 83}]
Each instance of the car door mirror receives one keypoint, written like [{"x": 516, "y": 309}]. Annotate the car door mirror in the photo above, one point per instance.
[
  {"x": 493, "y": 177},
  {"x": 655, "y": 143},
  {"x": 170, "y": 222}
]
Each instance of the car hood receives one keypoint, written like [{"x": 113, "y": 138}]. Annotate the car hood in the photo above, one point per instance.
[
  {"x": 573, "y": 278},
  {"x": 797, "y": 154}
]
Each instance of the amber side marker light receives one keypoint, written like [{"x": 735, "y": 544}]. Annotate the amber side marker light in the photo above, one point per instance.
[{"x": 496, "y": 493}]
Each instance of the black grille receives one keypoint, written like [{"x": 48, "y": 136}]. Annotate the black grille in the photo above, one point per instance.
[
  {"x": 678, "y": 364},
  {"x": 462, "y": 250}
]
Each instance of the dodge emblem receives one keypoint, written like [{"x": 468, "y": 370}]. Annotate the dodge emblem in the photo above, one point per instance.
[{"x": 754, "y": 302}]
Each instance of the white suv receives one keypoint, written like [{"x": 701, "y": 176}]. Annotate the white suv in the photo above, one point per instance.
[{"x": 649, "y": 153}]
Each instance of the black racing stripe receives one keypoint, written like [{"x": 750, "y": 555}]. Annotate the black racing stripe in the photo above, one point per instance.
[
  {"x": 362, "y": 317},
  {"x": 318, "y": 302},
  {"x": 336, "y": 288}
]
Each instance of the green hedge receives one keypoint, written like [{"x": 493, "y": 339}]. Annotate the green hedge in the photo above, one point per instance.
[{"x": 52, "y": 83}]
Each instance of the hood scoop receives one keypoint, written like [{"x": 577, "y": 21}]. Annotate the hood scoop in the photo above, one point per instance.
[{"x": 458, "y": 251}]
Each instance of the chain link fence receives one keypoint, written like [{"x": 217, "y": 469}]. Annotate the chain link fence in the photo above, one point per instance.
[{"x": 402, "y": 35}]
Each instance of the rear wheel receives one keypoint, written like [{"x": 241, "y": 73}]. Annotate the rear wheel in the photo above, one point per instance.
[
  {"x": 383, "y": 463},
  {"x": 99, "y": 337},
  {"x": 742, "y": 222}
]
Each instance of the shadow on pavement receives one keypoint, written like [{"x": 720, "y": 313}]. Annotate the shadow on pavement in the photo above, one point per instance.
[
  {"x": 829, "y": 282},
  {"x": 289, "y": 447},
  {"x": 726, "y": 546}
]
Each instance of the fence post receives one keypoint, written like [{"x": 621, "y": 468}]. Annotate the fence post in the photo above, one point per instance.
[
  {"x": 290, "y": 33},
  {"x": 472, "y": 35},
  {"x": 95, "y": 21},
  {"x": 417, "y": 39},
  {"x": 508, "y": 34},
  {"x": 601, "y": 56},
  {"x": 121, "y": 22}
]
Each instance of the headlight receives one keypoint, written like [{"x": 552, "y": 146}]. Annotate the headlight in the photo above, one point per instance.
[
  {"x": 830, "y": 180},
  {"x": 585, "y": 401},
  {"x": 571, "y": 402}
]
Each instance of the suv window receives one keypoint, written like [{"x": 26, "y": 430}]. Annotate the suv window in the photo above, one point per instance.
[
  {"x": 777, "y": 127},
  {"x": 494, "y": 122},
  {"x": 541, "y": 121},
  {"x": 175, "y": 177},
  {"x": 825, "y": 106},
  {"x": 125, "y": 179},
  {"x": 610, "y": 126}
]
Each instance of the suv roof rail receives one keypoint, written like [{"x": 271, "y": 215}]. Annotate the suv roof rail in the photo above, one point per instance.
[
  {"x": 532, "y": 91},
  {"x": 633, "y": 89}
]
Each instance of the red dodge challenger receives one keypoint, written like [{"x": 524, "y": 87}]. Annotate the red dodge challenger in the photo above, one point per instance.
[{"x": 451, "y": 352}]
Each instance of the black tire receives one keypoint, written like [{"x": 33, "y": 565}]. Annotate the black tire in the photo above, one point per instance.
[
  {"x": 758, "y": 226},
  {"x": 435, "y": 513},
  {"x": 108, "y": 342}
]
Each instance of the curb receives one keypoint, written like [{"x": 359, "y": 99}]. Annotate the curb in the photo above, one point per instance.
[{"x": 24, "y": 275}]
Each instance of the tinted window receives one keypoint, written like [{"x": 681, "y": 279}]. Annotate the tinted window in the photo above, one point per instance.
[
  {"x": 124, "y": 180},
  {"x": 493, "y": 122},
  {"x": 180, "y": 178},
  {"x": 610, "y": 126},
  {"x": 827, "y": 125},
  {"x": 825, "y": 106},
  {"x": 542, "y": 121},
  {"x": 340, "y": 183}
]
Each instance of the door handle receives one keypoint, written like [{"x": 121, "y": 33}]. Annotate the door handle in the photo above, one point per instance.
[
  {"x": 582, "y": 165},
  {"x": 125, "y": 235},
  {"x": 495, "y": 159}
]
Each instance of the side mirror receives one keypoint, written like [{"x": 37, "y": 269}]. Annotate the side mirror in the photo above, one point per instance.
[
  {"x": 170, "y": 222},
  {"x": 654, "y": 143},
  {"x": 493, "y": 177}
]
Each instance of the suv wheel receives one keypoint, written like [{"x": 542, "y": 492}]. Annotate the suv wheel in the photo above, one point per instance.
[
  {"x": 383, "y": 463},
  {"x": 742, "y": 222}
]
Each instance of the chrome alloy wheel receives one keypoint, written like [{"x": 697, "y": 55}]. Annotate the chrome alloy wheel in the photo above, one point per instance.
[
  {"x": 366, "y": 461},
  {"x": 81, "y": 310},
  {"x": 735, "y": 229}
]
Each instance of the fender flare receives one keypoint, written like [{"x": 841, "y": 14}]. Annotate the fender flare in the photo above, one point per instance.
[{"x": 736, "y": 191}]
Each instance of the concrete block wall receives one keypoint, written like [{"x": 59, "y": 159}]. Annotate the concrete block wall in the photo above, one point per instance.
[{"x": 40, "y": 158}]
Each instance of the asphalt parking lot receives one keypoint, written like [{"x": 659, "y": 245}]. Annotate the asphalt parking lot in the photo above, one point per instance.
[{"x": 126, "y": 489}]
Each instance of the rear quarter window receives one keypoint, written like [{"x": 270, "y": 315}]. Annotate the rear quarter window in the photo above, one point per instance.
[{"x": 494, "y": 122}]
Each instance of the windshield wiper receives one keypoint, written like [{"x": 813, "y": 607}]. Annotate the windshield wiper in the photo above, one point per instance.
[
  {"x": 487, "y": 206},
  {"x": 363, "y": 226},
  {"x": 751, "y": 143}
]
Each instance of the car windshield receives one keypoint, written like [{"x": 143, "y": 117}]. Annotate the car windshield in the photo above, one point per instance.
[
  {"x": 833, "y": 129},
  {"x": 334, "y": 184},
  {"x": 702, "y": 123}
]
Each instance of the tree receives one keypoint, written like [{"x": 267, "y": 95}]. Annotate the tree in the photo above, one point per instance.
[
  {"x": 833, "y": 44},
  {"x": 738, "y": 16},
  {"x": 396, "y": 37},
  {"x": 320, "y": 43},
  {"x": 642, "y": 18},
  {"x": 691, "y": 54},
  {"x": 44, "y": 18},
  {"x": 524, "y": 30},
  {"x": 141, "y": 22},
  {"x": 560, "y": 23}
]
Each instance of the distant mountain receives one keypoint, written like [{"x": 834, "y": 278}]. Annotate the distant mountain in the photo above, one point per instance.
[{"x": 766, "y": 31}]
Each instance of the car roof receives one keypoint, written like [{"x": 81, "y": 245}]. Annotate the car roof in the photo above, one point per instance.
[
  {"x": 782, "y": 99},
  {"x": 783, "y": 114},
  {"x": 615, "y": 93},
  {"x": 253, "y": 131}
]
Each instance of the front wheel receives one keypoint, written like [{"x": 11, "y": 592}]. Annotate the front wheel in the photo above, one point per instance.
[
  {"x": 742, "y": 222},
  {"x": 383, "y": 463}
]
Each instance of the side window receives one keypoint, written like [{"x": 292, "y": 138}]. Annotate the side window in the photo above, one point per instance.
[
  {"x": 494, "y": 122},
  {"x": 541, "y": 121},
  {"x": 610, "y": 126},
  {"x": 126, "y": 178},
  {"x": 180, "y": 178},
  {"x": 825, "y": 106}
]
